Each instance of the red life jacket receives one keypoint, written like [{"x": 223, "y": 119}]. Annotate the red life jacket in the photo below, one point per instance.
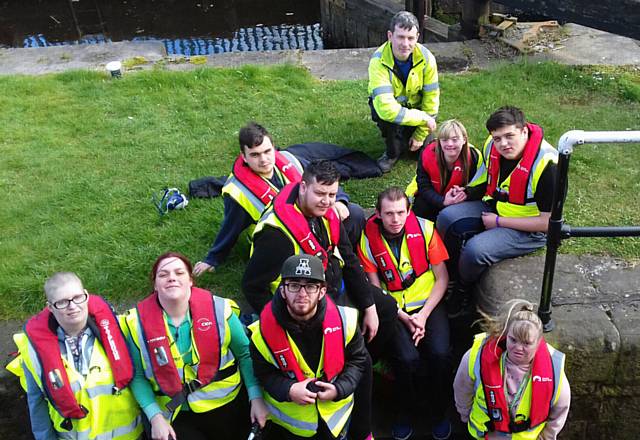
[
  {"x": 257, "y": 185},
  {"x": 429, "y": 161},
  {"x": 277, "y": 341},
  {"x": 542, "y": 387},
  {"x": 522, "y": 172},
  {"x": 296, "y": 223},
  {"x": 205, "y": 337},
  {"x": 415, "y": 242},
  {"x": 41, "y": 331}
]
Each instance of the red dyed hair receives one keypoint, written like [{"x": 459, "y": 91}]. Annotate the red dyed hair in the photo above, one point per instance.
[{"x": 179, "y": 256}]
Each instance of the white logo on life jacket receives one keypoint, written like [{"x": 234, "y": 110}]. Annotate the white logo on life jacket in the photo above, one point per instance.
[
  {"x": 520, "y": 167},
  {"x": 309, "y": 242},
  {"x": 287, "y": 166},
  {"x": 112, "y": 344},
  {"x": 159, "y": 338},
  {"x": 332, "y": 329},
  {"x": 410, "y": 236},
  {"x": 537, "y": 378},
  {"x": 457, "y": 168},
  {"x": 303, "y": 267},
  {"x": 204, "y": 324}
]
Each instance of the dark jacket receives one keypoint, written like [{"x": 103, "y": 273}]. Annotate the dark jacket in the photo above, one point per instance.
[
  {"x": 307, "y": 336},
  {"x": 271, "y": 247}
]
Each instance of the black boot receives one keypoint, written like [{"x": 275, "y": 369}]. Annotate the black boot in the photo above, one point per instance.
[{"x": 459, "y": 301}]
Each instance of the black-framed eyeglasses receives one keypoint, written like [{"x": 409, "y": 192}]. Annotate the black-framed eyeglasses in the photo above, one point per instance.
[
  {"x": 310, "y": 288},
  {"x": 64, "y": 303}
]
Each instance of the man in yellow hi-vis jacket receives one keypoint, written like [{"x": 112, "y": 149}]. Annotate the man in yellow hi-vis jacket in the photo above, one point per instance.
[{"x": 404, "y": 94}]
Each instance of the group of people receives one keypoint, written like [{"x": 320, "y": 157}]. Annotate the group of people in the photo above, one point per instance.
[{"x": 332, "y": 293}]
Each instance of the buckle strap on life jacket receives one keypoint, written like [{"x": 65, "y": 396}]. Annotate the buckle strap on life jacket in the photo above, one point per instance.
[
  {"x": 285, "y": 210},
  {"x": 205, "y": 337},
  {"x": 333, "y": 330},
  {"x": 542, "y": 388},
  {"x": 429, "y": 161},
  {"x": 258, "y": 186},
  {"x": 42, "y": 333},
  {"x": 417, "y": 252}
]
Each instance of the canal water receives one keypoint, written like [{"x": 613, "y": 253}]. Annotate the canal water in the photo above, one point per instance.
[{"x": 186, "y": 27}]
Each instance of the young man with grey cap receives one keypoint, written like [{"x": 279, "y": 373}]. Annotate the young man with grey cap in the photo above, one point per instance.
[{"x": 309, "y": 357}]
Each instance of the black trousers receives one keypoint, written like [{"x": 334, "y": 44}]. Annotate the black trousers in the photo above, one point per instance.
[
  {"x": 423, "y": 373},
  {"x": 230, "y": 421},
  {"x": 396, "y": 137}
]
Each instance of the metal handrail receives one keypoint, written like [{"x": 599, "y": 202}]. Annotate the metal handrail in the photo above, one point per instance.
[{"x": 558, "y": 230}]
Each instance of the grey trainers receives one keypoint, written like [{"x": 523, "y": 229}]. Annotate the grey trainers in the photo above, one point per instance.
[{"x": 386, "y": 163}]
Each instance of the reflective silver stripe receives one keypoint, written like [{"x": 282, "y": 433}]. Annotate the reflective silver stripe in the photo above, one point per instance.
[
  {"x": 148, "y": 372},
  {"x": 343, "y": 318},
  {"x": 100, "y": 390},
  {"x": 400, "y": 116},
  {"x": 218, "y": 308},
  {"x": 256, "y": 202},
  {"x": 557, "y": 360},
  {"x": 479, "y": 433},
  {"x": 416, "y": 303},
  {"x": 120, "y": 431},
  {"x": 290, "y": 420},
  {"x": 476, "y": 367},
  {"x": 391, "y": 76},
  {"x": 211, "y": 395},
  {"x": 377, "y": 55},
  {"x": 227, "y": 358},
  {"x": 84, "y": 435},
  {"x": 224, "y": 361},
  {"x": 369, "y": 253},
  {"x": 381, "y": 91},
  {"x": 35, "y": 361},
  {"x": 535, "y": 165},
  {"x": 335, "y": 418},
  {"x": 431, "y": 87},
  {"x": 402, "y": 99},
  {"x": 425, "y": 53},
  {"x": 76, "y": 386},
  {"x": 291, "y": 158}
]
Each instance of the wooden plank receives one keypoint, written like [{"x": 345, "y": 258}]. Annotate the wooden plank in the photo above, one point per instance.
[{"x": 435, "y": 26}]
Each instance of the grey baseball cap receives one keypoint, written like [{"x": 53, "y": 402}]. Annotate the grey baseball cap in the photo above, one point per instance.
[{"x": 303, "y": 266}]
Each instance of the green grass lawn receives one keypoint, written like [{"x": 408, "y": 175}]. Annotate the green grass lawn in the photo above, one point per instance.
[{"x": 82, "y": 154}]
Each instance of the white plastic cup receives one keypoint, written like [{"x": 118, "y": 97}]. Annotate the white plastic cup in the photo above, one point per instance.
[{"x": 115, "y": 69}]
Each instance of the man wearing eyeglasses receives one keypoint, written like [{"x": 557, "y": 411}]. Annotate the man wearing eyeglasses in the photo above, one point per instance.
[
  {"x": 308, "y": 355},
  {"x": 74, "y": 365}
]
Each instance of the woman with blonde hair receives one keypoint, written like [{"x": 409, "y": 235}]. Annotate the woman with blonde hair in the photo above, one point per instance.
[
  {"x": 450, "y": 170},
  {"x": 511, "y": 382}
]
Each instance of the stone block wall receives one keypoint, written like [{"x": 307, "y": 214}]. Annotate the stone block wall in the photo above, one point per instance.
[{"x": 596, "y": 309}]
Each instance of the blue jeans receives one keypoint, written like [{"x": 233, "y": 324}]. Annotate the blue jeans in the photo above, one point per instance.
[{"x": 476, "y": 248}]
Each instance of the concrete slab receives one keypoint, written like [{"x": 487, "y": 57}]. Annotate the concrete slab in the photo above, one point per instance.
[
  {"x": 580, "y": 45},
  {"x": 588, "y": 46},
  {"x": 41, "y": 60}
]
